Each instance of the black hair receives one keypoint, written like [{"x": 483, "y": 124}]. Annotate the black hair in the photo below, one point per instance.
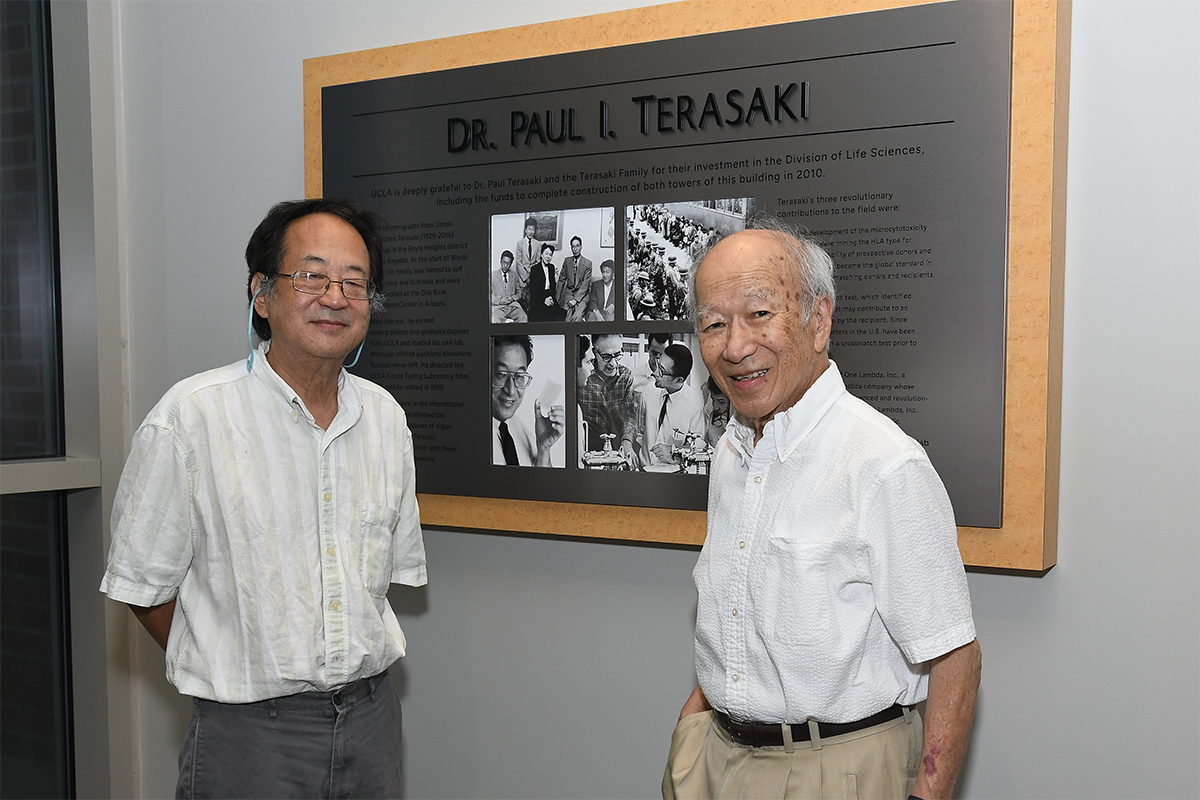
[
  {"x": 681, "y": 357},
  {"x": 264, "y": 252},
  {"x": 525, "y": 342}
]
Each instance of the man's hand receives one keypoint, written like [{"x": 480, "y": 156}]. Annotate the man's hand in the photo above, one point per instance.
[
  {"x": 696, "y": 703},
  {"x": 949, "y": 714},
  {"x": 156, "y": 620},
  {"x": 547, "y": 430},
  {"x": 662, "y": 452},
  {"x": 630, "y": 456}
]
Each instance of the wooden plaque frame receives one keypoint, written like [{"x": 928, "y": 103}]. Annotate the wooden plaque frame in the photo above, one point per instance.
[{"x": 1036, "y": 233}]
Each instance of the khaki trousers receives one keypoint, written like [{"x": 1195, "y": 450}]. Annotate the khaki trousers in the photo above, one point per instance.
[{"x": 877, "y": 762}]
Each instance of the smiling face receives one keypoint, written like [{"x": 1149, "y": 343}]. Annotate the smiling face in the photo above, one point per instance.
[
  {"x": 547, "y": 254},
  {"x": 308, "y": 328},
  {"x": 508, "y": 360},
  {"x": 606, "y": 272},
  {"x": 753, "y": 336}
]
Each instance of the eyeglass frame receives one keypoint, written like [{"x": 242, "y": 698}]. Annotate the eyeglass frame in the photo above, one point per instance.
[
  {"x": 508, "y": 375},
  {"x": 609, "y": 357},
  {"x": 370, "y": 284}
]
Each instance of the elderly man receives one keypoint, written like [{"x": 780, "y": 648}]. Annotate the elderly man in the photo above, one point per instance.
[
  {"x": 264, "y": 510},
  {"x": 832, "y": 596},
  {"x": 671, "y": 412},
  {"x": 512, "y": 444},
  {"x": 609, "y": 402},
  {"x": 506, "y": 293}
]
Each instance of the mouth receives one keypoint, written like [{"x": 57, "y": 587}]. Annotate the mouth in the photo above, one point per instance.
[{"x": 749, "y": 377}]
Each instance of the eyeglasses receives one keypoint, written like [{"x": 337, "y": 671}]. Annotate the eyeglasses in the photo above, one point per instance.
[
  {"x": 316, "y": 283},
  {"x": 609, "y": 356},
  {"x": 502, "y": 376},
  {"x": 659, "y": 371}
]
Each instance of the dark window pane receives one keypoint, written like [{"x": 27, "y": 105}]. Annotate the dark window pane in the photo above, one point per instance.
[
  {"x": 30, "y": 405},
  {"x": 34, "y": 665}
]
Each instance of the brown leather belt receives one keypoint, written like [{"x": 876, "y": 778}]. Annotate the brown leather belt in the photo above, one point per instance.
[{"x": 770, "y": 734}]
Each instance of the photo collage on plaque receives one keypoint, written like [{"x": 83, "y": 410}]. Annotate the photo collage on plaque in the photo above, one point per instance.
[{"x": 563, "y": 294}]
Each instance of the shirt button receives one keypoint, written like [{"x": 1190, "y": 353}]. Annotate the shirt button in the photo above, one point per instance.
[
  {"x": 335, "y": 605},
  {"x": 758, "y": 478},
  {"x": 735, "y": 612},
  {"x": 328, "y": 497},
  {"x": 329, "y": 551},
  {"x": 742, "y": 545},
  {"x": 736, "y": 677}
]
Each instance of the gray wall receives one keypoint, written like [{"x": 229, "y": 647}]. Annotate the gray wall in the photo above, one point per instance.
[{"x": 542, "y": 667}]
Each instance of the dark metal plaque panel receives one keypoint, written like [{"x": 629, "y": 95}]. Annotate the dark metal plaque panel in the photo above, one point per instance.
[{"x": 884, "y": 134}]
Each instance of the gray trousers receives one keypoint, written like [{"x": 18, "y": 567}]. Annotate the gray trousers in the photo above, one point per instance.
[{"x": 339, "y": 744}]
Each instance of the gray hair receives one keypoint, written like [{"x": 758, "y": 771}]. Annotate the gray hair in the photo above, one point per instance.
[{"x": 811, "y": 266}]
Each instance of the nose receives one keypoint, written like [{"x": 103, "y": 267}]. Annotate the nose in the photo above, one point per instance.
[
  {"x": 740, "y": 342},
  {"x": 333, "y": 300}
]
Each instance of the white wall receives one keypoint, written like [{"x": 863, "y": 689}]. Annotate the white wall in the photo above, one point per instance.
[{"x": 541, "y": 667}]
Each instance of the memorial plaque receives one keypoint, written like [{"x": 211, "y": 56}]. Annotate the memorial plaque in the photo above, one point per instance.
[{"x": 884, "y": 134}]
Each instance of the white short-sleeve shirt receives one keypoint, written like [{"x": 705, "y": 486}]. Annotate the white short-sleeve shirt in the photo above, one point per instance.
[
  {"x": 277, "y": 539},
  {"x": 831, "y": 568}
]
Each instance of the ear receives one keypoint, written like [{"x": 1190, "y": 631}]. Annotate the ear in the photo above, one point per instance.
[
  {"x": 822, "y": 323},
  {"x": 260, "y": 302}
]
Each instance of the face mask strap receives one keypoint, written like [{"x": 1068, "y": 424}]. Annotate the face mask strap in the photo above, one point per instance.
[
  {"x": 359, "y": 353},
  {"x": 250, "y": 329}
]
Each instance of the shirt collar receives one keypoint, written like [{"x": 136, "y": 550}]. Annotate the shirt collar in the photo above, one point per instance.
[
  {"x": 784, "y": 433},
  {"x": 349, "y": 399}
]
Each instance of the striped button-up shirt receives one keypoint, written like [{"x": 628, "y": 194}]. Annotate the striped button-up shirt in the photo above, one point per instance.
[{"x": 277, "y": 539}]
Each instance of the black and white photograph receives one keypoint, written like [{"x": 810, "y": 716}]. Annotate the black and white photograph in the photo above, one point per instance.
[
  {"x": 528, "y": 415},
  {"x": 663, "y": 240},
  {"x": 547, "y": 266},
  {"x": 643, "y": 403}
]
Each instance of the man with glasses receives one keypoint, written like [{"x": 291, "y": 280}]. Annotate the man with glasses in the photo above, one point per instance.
[
  {"x": 609, "y": 402},
  {"x": 671, "y": 413},
  {"x": 512, "y": 444},
  {"x": 264, "y": 511}
]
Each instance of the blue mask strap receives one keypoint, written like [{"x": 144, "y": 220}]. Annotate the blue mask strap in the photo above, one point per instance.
[
  {"x": 250, "y": 329},
  {"x": 359, "y": 353}
]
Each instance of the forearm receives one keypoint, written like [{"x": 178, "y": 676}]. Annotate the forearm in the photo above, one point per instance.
[
  {"x": 949, "y": 715},
  {"x": 156, "y": 620}
]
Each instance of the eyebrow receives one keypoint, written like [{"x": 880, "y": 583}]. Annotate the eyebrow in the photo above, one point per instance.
[{"x": 318, "y": 260}]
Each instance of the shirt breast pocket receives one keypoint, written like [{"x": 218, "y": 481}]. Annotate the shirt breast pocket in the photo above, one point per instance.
[
  {"x": 378, "y": 523},
  {"x": 794, "y": 599}
]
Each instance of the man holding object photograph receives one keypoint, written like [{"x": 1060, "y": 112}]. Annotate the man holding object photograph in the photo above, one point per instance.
[
  {"x": 512, "y": 444},
  {"x": 832, "y": 597}
]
